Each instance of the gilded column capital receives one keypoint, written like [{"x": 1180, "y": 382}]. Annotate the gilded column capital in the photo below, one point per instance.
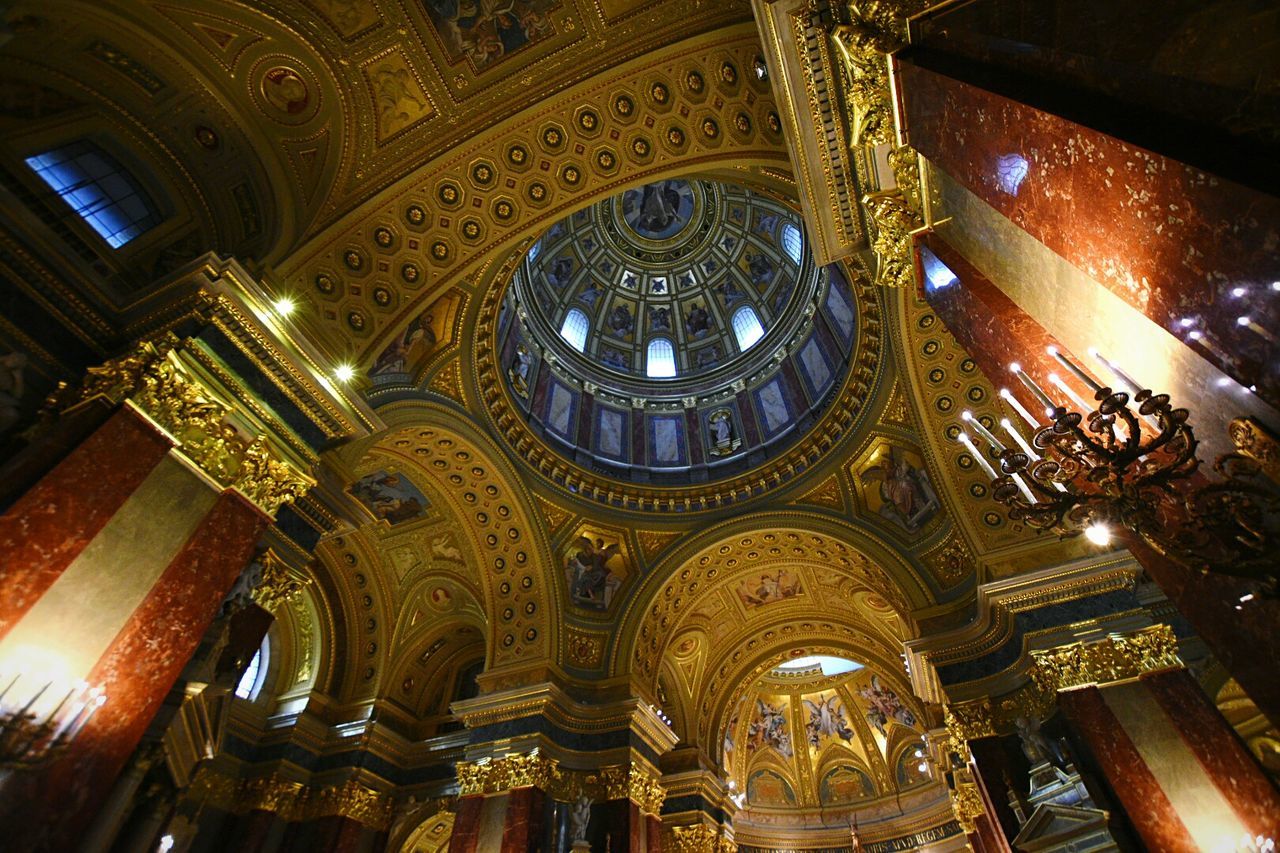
[
  {"x": 353, "y": 801},
  {"x": 154, "y": 380},
  {"x": 966, "y": 801},
  {"x": 1253, "y": 440},
  {"x": 276, "y": 585},
  {"x": 894, "y": 220},
  {"x": 988, "y": 717},
  {"x": 282, "y": 797},
  {"x": 635, "y": 782},
  {"x": 1120, "y": 657},
  {"x": 493, "y": 776},
  {"x": 874, "y": 30}
]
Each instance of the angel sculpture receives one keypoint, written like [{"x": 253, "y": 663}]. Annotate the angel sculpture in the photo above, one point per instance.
[
  {"x": 589, "y": 577},
  {"x": 905, "y": 489}
]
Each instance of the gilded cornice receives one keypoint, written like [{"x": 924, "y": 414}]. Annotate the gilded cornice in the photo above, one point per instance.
[
  {"x": 551, "y": 703},
  {"x": 998, "y": 604},
  {"x": 1119, "y": 657}
]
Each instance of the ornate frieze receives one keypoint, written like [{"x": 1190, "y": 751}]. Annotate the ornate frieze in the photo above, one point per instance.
[
  {"x": 698, "y": 839},
  {"x": 987, "y": 716},
  {"x": 154, "y": 380},
  {"x": 493, "y": 776},
  {"x": 293, "y": 801},
  {"x": 1119, "y": 657}
]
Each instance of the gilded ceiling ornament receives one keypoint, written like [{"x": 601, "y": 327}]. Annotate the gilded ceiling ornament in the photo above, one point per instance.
[
  {"x": 826, "y": 494},
  {"x": 1117, "y": 658},
  {"x": 952, "y": 561},
  {"x": 583, "y": 649}
]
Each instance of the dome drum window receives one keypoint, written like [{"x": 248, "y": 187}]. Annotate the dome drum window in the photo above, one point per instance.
[{"x": 99, "y": 189}]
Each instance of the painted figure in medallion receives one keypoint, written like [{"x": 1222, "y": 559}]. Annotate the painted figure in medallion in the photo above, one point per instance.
[
  {"x": 591, "y": 582},
  {"x": 907, "y": 495}
]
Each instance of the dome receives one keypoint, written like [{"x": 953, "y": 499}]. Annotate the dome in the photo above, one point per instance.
[
  {"x": 676, "y": 332},
  {"x": 674, "y": 281}
]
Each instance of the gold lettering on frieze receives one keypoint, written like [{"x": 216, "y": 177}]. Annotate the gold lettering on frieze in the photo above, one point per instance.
[{"x": 1120, "y": 657}]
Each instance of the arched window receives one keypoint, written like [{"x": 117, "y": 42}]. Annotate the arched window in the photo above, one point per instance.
[
  {"x": 255, "y": 674},
  {"x": 746, "y": 327},
  {"x": 791, "y": 241},
  {"x": 99, "y": 189},
  {"x": 534, "y": 250},
  {"x": 574, "y": 329},
  {"x": 661, "y": 362}
]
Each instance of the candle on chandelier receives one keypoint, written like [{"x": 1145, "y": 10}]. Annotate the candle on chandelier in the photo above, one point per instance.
[
  {"x": 1131, "y": 384},
  {"x": 1035, "y": 389},
  {"x": 1075, "y": 370},
  {"x": 982, "y": 462},
  {"x": 1013, "y": 401},
  {"x": 982, "y": 431},
  {"x": 1026, "y": 448},
  {"x": 1070, "y": 392}
]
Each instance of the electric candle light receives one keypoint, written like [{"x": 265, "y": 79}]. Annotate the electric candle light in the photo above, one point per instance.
[
  {"x": 1075, "y": 370},
  {"x": 1033, "y": 387},
  {"x": 982, "y": 462},
  {"x": 1067, "y": 389},
  {"x": 1014, "y": 402}
]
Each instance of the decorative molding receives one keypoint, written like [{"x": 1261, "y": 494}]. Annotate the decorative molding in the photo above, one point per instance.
[
  {"x": 153, "y": 380},
  {"x": 1120, "y": 657}
]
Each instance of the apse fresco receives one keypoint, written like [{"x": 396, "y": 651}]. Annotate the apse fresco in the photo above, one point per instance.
[
  {"x": 593, "y": 569},
  {"x": 768, "y": 588},
  {"x": 428, "y": 333},
  {"x": 884, "y": 706},
  {"x": 391, "y": 497},
  {"x": 844, "y": 784},
  {"x": 769, "y": 727},
  {"x": 827, "y": 719},
  {"x": 899, "y": 488},
  {"x": 769, "y": 788},
  {"x": 484, "y": 32}
]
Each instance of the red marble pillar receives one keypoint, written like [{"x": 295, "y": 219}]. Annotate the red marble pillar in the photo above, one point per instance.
[
  {"x": 466, "y": 824},
  {"x": 1226, "y": 760},
  {"x": 1139, "y": 794},
  {"x": 337, "y": 834},
  {"x": 48, "y": 527},
  {"x": 653, "y": 833},
  {"x": 1171, "y": 241},
  {"x": 522, "y": 829},
  {"x": 991, "y": 771},
  {"x": 994, "y": 332},
  {"x": 142, "y": 662},
  {"x": 252, "y": 830}
]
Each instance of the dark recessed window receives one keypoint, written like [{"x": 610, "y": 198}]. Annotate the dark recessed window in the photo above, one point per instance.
[{"x": 99, "y": 189}]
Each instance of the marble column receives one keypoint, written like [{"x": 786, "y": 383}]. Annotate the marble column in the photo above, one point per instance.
[
  {"x": 1172, "y": 763},
  {"x": 1190, "y": 251},
  {"x": 992, "y": 769},
  {"x": 995, "y": 332},
  {"x": 506, "y": 822},
  {"x": 1149, "y": 811}
]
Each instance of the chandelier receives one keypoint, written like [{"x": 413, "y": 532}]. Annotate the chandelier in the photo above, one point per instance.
[
  {"x": 1124, "y": 462},
  {"x": 41, "y": 715}
]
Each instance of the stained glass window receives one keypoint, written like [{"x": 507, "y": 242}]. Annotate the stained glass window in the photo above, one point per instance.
[{"x": 99, "y": 189}]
